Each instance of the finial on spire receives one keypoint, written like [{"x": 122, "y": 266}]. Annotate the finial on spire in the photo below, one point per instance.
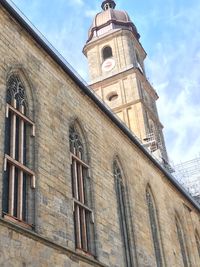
[{"x": 108, "y": 4}]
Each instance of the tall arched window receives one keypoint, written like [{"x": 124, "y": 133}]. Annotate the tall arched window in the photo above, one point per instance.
[
  {"x": 154, "y": 227},
  {"x": 197, "y": 242},
  {"x": 18, "y": 178},
  {"x": 107, "y": 52},
  {"x": 83, "y": 214},
  {"x": 123, "y": 213},
  {"x": 181, "y": 240}
]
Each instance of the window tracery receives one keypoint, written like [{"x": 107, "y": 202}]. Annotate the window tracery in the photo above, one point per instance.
[
  {"x": 16, "y": 90},
  {"x": 17, "y": 173},
  {"x": 83, "y": 214}
]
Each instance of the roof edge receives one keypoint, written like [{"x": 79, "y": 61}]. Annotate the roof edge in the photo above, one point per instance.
[{"x": 48, "y": 48}]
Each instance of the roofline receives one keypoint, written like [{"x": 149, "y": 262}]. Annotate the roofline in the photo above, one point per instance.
[
  {"x": 114, "y": 21},
  {"x": 48, "y": 48}
]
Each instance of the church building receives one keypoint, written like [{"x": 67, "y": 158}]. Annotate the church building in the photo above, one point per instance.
[{"x": 84, "y": 173}]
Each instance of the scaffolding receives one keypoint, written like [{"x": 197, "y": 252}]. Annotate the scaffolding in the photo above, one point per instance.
[
  {"x": 188, "y": 174},
  {"x": 150, "y": 142},
  {"x": 156, "y": 149}
]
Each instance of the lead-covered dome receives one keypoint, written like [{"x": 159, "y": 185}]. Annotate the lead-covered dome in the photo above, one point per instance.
[{"x": 111, "y": 19}]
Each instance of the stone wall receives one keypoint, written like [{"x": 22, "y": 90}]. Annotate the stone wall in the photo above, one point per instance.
[{"x": 58, "y": 101}]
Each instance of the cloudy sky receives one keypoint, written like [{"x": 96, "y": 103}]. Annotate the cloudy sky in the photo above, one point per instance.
[{"x": 170, "y": 34}]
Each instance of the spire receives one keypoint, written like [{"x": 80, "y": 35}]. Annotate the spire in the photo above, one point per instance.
[{"x": 108, "y": 4}]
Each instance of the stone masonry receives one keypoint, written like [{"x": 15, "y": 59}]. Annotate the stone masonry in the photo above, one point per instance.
[{"x": 58, "y": 101}]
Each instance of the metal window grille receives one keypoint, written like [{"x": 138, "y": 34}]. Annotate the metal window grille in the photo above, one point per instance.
[
  {"x": 15, "y": 161},
  {"x": 83, "y": 215}
]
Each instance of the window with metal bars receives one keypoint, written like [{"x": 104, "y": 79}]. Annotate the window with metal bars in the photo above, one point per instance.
[
  {"x": 181, "y": 240},
  {"x": 123, "y": 213},
  {"x": 18, "y": 177},
  {"x": 83, "y": 214},
  {"x": 154, "y": 228}
]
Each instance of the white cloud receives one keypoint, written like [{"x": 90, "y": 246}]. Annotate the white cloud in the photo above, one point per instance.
[
  {"x": 176, "y": 76},
  {"x": 182, "y": 122},
  {"x": 174, "y": 65},
  {"x": 76, "y": 2},
  {"x": 90, "y": 13}
]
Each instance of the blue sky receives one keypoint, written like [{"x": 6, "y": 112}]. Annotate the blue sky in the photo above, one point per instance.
[{"x": 170, "y": 34}]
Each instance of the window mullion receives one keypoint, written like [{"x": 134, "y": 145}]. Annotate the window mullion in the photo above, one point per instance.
[
  {"x": 21, "y": 160},
  {"x": 82, "y": 210},
  {"x": 78, "y": 226},
  {"x": 182, "y": 244},
  {"x": 82, "y": 205},
  {"x": 15, "y": 191},
  {"x": 81, "y": 183},
  {"x": 83, "y": 228},
  {"x": 18, "y": 165},
  {"x": 21, "y": 116},
  {"x": 12, "y": 168},
  {"x": 76, "y": 196},
  {"x": 79, "y": 169},
  {"x": 123, "y": 220},
  {"x": 77, "y": 209},
  {"x": 75, "y": 178},
  {"x": 73, "y": 155}
]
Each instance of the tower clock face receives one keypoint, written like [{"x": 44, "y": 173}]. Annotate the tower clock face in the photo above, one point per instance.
[{"x": 108, "y": 64}]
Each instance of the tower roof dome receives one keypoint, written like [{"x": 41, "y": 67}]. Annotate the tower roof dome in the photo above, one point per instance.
[{"x": 111, "y": 19}]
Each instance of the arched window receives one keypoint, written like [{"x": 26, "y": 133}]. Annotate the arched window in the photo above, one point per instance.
[
  {"x": 123, "y": 213},
  {"x": 181, "y": 240},
  {"x": 154, "y": 227},
  {"x": 18, "y": 178},
  {"x": 107, "y": 52},
  {"x": 197, "y": 242},
  {"x": 83, "y": 215}
]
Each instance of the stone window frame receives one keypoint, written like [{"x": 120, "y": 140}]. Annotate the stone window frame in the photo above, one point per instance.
[
  {"x": 155, "y": 227},
  {"x": 81, "y": 192},
  {"x": 181, "y": 241},
  {"x": 123, "y": 211},
  {"x": 112, "y": 96},
  {"x": 107, "y": 52},
  {"x": 19, "y": 177},
  {"x": 139, "y": 64},
  {"x": 197, "y": 239}
]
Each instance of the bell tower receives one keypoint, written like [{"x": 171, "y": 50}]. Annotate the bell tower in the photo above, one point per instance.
[{"x": 117, "y": 74}]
